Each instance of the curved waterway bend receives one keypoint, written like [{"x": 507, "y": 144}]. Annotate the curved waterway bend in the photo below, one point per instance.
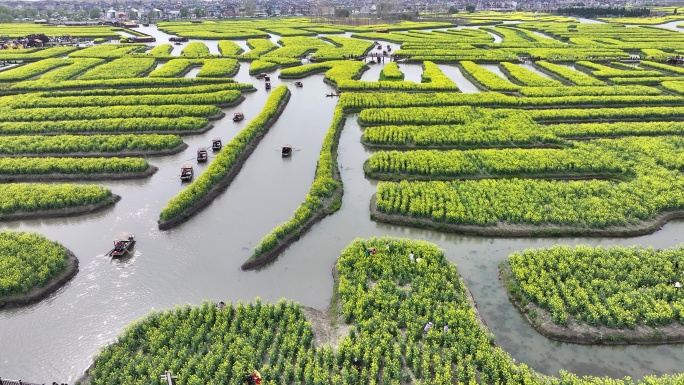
[{"x": 55, "y": 339}]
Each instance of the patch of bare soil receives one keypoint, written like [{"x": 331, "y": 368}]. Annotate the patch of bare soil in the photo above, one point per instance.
[
  {"x": 581, "y": 333},
  {"x": 325, "y": 331},
  {"x": 328, "y": 326}
]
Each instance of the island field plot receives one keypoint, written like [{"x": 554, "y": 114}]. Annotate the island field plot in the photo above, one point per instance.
[{"x": 567, "y": 136}]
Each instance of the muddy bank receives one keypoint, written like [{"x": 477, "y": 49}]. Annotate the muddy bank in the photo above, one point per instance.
[
  {"x": 328, "y": 325},
  {"x": 503, "y": 229},
  {"x": 39, "y": 293},
  {"x": 77, "y": 177},
  {"x": 229, "y": 176},
  {"x": 581, "y": 333},
  {"x": 65, "y": 212}
]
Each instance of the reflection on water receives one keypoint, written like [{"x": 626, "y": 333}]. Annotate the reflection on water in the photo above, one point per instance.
[
  {"x": 494, "y": 68},
  {"x": 55, "y": 339},
  {"x": 536, "y": 70}
]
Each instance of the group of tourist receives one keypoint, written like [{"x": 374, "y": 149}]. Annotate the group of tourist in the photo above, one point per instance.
[{"x": 430, "y": 325}]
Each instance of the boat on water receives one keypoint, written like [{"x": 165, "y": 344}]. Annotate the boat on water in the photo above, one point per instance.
[
  {"x": 299, "y": 84},
  {"x": 268, "y": 85},
  {"x": 202, "y": 154},
  {"x": 123, "y": 243},
  {"x": 216, "y": 144},
  {"x": 238, "y": 116},
  {"x": 186, "y": 172},
  {"x": 261, "y": 75},
  {"x": 286, "y": 150}
]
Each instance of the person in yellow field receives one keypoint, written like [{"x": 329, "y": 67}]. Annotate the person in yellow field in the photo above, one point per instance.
[{"x": 257, "y": 377}]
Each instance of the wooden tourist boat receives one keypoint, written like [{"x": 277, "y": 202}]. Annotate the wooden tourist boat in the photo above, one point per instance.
[
  {"x": 202, "y": 154},
  {"x": 216, "y": 144},
  {"x": 238, "y": 116},
  {"x": 286, "y": 150},
  {"x": 299, "y": 84},
  {"x": 268, "y": 85},
  {"x": 261, "y": 75},
  {"x": 267, "y": 78},
  {"x": 145, "y": 25},
  {"x": 178, "y": 38},
  {"x": 123, "y": 243},
  {"x": 186, "y": 172}
]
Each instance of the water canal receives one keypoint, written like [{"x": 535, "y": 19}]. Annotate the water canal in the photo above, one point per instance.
[{"x": 55, "y": 339}]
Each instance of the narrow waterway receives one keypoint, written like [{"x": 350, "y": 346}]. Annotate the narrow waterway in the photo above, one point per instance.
[
  {"x": 455, "y": 74},
  {"x": 55, "y": 339},
  {"x": 494, "y": 68},
  {"x": 672, "y": 25},
  {"x": 531, "y": 67},
  {"x": 545, "y": 36}
]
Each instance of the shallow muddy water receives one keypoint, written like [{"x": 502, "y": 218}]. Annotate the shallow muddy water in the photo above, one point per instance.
[{"x": 55, "y": 339}]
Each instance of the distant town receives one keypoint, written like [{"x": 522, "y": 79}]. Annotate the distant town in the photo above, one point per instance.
[{"x": 102, "y": 11}]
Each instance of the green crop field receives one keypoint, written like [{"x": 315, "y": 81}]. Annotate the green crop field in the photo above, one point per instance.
[{"x": 543, "y": 128}]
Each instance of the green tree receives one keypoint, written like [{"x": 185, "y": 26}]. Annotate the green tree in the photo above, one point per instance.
[
  {"x": 30, "y": 12},
  {"x": 342, "y": 12},
  {"x": 470, "y": 8},
  {"x": 184, "y": 12},
  {"x": 79, "y": 15},
  {"x": 95, "y": 13},
  {"x": 453, "y": 9},
  {"x": 200, "y": 12}
]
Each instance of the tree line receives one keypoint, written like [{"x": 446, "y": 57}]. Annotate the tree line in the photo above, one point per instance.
[{"x": 592, "y": 12}]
